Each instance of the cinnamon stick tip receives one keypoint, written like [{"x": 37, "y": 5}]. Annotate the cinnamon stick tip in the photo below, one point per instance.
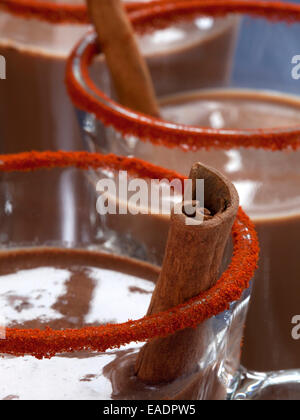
[{"x": 220, "y": 195}]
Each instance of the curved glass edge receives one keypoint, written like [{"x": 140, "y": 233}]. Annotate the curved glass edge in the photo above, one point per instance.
[{"x": 250, "y": 385}]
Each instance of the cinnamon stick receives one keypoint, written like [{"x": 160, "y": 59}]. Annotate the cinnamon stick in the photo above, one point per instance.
[
  {"x": 128, "y": 69},
  {"x": 191, "y": 265}
]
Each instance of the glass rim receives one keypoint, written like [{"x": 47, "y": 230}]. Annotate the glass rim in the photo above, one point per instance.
[
  {"x": 87, "y": 97},
  {"x": 59, "y": 13},
  {"x": 229, "y": 288}
]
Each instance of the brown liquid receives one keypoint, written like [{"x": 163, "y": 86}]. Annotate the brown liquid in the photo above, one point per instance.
[
  {"x": 35, "y": 111},
  {"x": 268, "y": 185},
  {"x": 268, "y": 343},
  {"x": 191, "y": 55},
  {"x": 70, "y": 289}
]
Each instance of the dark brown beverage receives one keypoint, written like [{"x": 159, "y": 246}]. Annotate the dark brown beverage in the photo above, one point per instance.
[{"x": 268, "y": 185}]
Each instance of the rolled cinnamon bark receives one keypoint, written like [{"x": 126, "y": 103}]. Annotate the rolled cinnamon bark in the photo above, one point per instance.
[
  {"x": 128, "y": 69},
  {"x": 192, "y": 263}
]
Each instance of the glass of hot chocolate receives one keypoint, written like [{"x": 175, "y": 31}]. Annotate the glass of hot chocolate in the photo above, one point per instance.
[
  {"x": 35, "y": 42},
  {"x": 66, "y": 298},
  {"x": 249, "y": 130}
]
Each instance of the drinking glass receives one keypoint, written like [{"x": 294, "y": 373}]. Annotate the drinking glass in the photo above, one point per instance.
[
  {"x": 66, "y": 296},
  {"x": 35, "y": 41},
  {"x": 249, "y": 129}
]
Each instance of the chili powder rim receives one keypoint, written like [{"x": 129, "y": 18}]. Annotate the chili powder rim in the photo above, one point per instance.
[
  {"x": 61, "y": 13},
  {"x": 87, "y": 97},
  {"x": 47, "y": 343}
]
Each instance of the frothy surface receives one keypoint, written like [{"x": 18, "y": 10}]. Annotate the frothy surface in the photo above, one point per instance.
[
  {"x": 233, "y": 109},
  {"x": 67, "y": 294},
  {"x": 184, "y": 35},
  {"x": 70, "y": 295},
  {"x": 39, "y": 37}
]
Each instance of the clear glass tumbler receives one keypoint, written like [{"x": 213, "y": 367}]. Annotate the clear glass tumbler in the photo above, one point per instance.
[
  {"x": 35, "y": 41},
  {"x": 249, "y": 130},
  {"x": 66, "y": 296}
]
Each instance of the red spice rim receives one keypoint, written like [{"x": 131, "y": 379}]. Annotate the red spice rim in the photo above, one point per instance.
[
  {"x": 46, "y": 11},
  {"x": 63, "y": 13},
  {"x": 47, "y": 343},
  {"x": 89, "y": 98}
]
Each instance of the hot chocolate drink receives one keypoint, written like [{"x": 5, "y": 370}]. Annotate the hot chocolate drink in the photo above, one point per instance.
[
  {"x": 268, "y": 185},
  {"x": 35, "y": 112}
]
